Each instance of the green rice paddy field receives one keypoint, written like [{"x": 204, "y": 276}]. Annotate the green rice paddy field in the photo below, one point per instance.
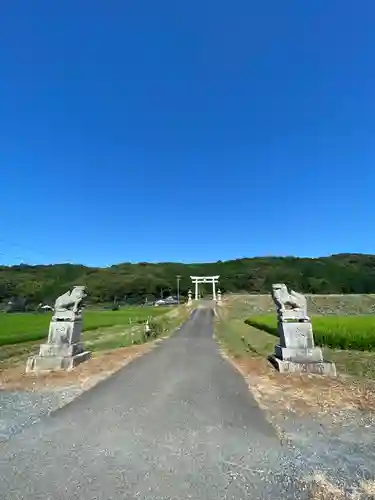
[
  {"x": 337, "y": 332},
  {"x": 25, "y": 327}
]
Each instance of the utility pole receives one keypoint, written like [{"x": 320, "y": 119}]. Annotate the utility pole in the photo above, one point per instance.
[{"x": 178, "y": 287}]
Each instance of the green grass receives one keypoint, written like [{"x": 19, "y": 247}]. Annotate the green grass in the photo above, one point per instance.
[
  {"x": 258, "y": 339},
  {"x": 247, "y": 341},
  {"x": 336, "y": 332},
  {"x": 26, "y": 327},
  {"x": 241, "y": 339},
  {"x": 356, "y": 363},
  {"x": 110, "y": 339},
  {"x": 102, "y": 338}
]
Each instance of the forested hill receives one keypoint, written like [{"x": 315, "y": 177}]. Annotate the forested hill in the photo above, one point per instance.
[{"x": 343, "y": 273}]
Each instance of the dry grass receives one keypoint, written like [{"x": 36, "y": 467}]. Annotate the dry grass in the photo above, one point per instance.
[
  {"x": 320, "y": 488},
  {"x": 368, "y": 488},
  {"x": 304, "y": 394}
]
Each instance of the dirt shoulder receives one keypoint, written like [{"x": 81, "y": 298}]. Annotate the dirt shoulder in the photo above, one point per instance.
[
  {"x": 86, "y": 375},
  {"x": 304, "y": 394}
]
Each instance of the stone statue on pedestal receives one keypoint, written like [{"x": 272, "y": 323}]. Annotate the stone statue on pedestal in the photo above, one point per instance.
[
  {"x": 296, "y": 351},
  {"x": 63, "y": 349}
]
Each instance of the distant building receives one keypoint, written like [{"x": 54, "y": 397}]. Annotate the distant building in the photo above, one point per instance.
[
  {"x": 46, "y": 308},
  {"x": 17, "y": 304},
  {"x": 169, "y": 301}
]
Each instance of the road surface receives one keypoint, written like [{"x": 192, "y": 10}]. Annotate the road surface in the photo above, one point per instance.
[{"x": 178, "y": 423}]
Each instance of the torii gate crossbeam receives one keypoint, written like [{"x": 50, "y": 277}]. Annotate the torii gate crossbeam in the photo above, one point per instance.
[{"x": 205, "y": 279}]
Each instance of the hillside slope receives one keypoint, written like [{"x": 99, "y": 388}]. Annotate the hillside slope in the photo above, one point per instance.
[
  {"x": 349, "y": 304},
  {"x": 343, "y": 273}
]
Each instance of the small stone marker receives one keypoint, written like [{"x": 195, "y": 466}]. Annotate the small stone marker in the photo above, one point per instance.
[
  {"x": 63, "y": 350},
  {"x": 190, "y": 300},
  {"x": 147, "y": 328},
  {"x": 296, "y": 351},
  {"x": 219, "y": 297}
]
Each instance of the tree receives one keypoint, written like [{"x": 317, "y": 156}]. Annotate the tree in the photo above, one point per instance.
[{"x": 344, "y": 273}]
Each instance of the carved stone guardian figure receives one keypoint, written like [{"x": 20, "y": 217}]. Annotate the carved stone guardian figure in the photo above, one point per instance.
[
  {"x": 63, "y": 349},
  {"x": 296, "y": 351}
]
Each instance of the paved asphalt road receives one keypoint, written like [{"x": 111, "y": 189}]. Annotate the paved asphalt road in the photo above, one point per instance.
[{"x": 178, "y": 423}]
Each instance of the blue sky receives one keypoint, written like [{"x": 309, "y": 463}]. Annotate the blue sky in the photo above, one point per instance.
[{"x": 185, "y": 131}]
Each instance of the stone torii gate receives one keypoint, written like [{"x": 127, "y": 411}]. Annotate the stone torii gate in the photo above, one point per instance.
[{"x": 205, "y": 279}]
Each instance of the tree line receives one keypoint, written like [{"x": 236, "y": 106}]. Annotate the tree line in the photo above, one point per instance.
[{"x": 134, "y": 283}]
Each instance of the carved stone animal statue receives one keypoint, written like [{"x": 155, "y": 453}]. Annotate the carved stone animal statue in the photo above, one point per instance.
[
  {"x": 288, "y": 301},
  {"x": 71, "y": 301}
]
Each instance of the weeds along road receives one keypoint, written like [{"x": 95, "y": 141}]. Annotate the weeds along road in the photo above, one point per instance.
[{"x": 178, "y": 423}]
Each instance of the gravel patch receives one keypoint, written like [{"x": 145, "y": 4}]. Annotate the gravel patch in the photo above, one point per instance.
[
  {"x": 26, "y": 398},
  {"x": 327, "y": 426},
  {"x": 340, "y": 447},
  {"x": 20, "y": 409}
]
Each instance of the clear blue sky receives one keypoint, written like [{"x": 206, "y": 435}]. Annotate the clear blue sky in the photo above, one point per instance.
[{"x": 149, "y": 130}]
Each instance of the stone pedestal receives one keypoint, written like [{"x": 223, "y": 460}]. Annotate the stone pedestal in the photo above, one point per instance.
[
  {"x": 296, "y": 352},
  {"x": 296, "y": 334},
  {"x": 316, "y": 367},
  {"x": 303, "y": 355},
  {"x": 65, "y": 332},
  {"x": 63, "y": 350}
]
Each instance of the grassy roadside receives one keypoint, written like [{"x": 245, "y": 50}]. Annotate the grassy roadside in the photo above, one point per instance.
[
  {"x": 248, "y": 349},
  {"x": 112, "y": 348},
  {"x": 26, "y": 327},
  {"x": 135, "y": 334},
  {"x": 240, "y": 339},
  {"x": 106, "y": 338}
]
